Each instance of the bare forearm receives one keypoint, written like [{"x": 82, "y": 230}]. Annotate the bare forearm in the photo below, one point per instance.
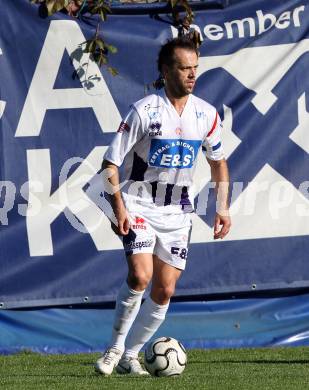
[
  {"x": 111, "y": 183},
  {"x": 112, "y": 187},
  {"x": 220, "y": 175}
]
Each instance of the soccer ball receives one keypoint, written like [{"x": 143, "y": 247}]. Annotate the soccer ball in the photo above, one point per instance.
[{"x": 165, "y": 356}]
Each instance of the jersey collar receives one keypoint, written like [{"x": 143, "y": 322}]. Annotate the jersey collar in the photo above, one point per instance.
[{"x": 170, "y": 105}]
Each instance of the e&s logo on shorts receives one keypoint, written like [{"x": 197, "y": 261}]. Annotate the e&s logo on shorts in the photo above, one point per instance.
[{"x": 173, "y": 153}]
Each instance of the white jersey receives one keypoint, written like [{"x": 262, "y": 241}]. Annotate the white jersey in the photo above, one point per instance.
[{"x": 157, "y": 150}]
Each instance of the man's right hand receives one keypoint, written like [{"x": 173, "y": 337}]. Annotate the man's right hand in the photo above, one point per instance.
[
  {"x": 111, "y": 184},
  {"x": 122, "y": 220}
]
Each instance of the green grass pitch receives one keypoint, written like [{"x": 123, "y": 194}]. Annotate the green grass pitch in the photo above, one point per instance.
[{"x": 228, "y": 369}]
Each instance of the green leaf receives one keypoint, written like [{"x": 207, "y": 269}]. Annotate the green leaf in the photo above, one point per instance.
[
  {"x": 101, "y": 8},
  {"x": 99, "y": 42},
  {"x": 50, "y": 6},
  {"x": 102, "y": 15},
  {"x": 60, "y": 4},
  {"x": 55, "y": 5},
  {"x": 111, "y": 48},
  {"x": 112, "y": 70},
  {"x": 106, "y": 8},
  {"x": 90, "y": 46},
  {"x": 101, "y": 61}
]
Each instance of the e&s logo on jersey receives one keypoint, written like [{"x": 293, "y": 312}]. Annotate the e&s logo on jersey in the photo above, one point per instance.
[{"x": 173, "y": 153}]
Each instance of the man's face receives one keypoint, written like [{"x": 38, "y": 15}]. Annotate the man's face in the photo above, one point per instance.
[{"x": 180, "y": 77}]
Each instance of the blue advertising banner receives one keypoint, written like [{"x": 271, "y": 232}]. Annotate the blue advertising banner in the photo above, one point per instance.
[
  {"x": 234, "y": 323},
  {"x": 59, "y": 112}
]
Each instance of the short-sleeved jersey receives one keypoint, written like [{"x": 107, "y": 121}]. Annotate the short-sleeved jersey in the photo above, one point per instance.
[{"x": 157, "y": 150}]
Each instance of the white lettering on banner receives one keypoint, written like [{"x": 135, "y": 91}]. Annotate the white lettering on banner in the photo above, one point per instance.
[
  {"x": 281, "y": 208},
  {"x": 300, "y": 135},
  {"x": 252, "y": 192},
  {"x": 71, "y": 195},
  {"x": 2, "y": 103},
  {"x": 213, "y": 32},
  {"x": 203, "y": 196},
  {"x": 259, "y": 25},
  {"x": 236, "y": 190},
  {"x": 8, "y": 189},
  {"x": 256, "y": 26},
  {"x": 301, "y": 209},
  {"x": 33, "y": 208},
  {"x": 2, "y": 107},
  {"x": 278, "y": 208},
  {"x": 240, "y": 24},
  {"x": 270, "y": 64},
  {"x": 280, "y": 196},
  {"x": 283, "y": 20},
  {"x": 265, "y": 22},
  {"x": 192, "y": 26},
  {"x": 65, "y": 35}
]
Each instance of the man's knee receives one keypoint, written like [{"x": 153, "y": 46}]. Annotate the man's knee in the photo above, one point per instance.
[
  {"x": 139, "y": 279},
  {"x": 161, "y": 295}
]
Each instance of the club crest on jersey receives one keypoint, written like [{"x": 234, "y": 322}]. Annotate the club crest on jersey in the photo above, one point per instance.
[
  {"x": 154, "y": 115},
  {"x": 123, "y": 127},
  {"x": 173, "y": 153}
]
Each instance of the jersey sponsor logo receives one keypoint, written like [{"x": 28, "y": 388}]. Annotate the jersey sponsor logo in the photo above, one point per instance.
[
  {"x": 173, "y": 153},
  {"x": 123, "y": 127},
  {"x": 138, "y": 245}
]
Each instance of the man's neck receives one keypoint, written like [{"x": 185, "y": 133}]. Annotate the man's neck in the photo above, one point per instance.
[{"x": 178, "y": 102}]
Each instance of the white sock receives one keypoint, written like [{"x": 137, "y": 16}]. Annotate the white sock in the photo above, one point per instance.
[
  {"x": 127, "y": 306},
  {"x": 150, "y": 317}
]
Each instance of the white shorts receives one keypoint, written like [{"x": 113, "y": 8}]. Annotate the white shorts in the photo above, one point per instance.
[{"x": 166, "y": 236}]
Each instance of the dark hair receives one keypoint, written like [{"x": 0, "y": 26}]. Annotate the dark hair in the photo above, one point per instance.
[{"x": 166, "y": 53}]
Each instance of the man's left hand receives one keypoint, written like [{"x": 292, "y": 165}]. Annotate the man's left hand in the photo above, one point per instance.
[{"x": 222, "y": 226}]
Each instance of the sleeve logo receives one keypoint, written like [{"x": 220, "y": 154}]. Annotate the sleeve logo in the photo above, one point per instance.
[{"x": 123, "y": 127}]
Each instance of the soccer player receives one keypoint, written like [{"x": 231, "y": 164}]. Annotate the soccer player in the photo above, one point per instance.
[{"x": 156, "y": 147}]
